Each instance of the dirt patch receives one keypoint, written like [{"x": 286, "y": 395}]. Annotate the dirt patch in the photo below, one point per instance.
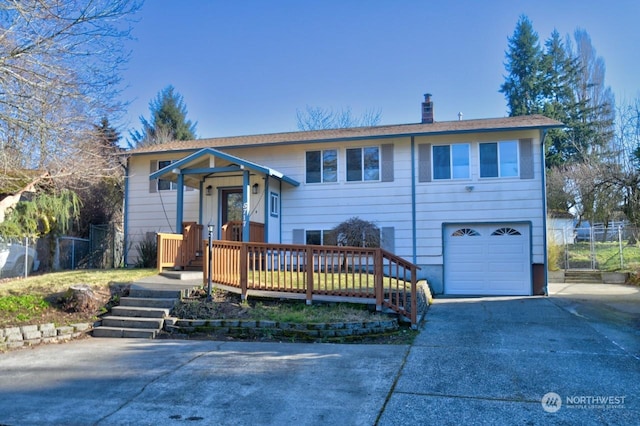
[{"x": 55, "y": 308}]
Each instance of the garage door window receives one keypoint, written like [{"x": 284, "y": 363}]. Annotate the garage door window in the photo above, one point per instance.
[
  {"x": 506, "y": 231},
  {"x": 465, "y": 232}
]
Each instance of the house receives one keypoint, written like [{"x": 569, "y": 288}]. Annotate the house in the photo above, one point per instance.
[{"x": 464, "y": 200}]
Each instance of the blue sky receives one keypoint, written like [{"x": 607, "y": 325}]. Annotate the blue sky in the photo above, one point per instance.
[{"x": 246, "y": 66}]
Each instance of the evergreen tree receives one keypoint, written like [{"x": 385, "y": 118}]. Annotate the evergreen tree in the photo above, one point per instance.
[
  {"x": 593, "y": 129},
  {"x": 523, "y": 86},
  {"x": 560, "y": 74},
  {"x": 168, "y": 121}
]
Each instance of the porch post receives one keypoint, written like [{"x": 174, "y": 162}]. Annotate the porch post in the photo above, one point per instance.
[
  {"x": 246, "y": 217},
  {"x": 180, "y": 204}
]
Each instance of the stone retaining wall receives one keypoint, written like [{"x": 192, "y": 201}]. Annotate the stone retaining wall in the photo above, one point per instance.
[
  {"x": 30, "y": 335},
  {"x": 315, "y": 331}
]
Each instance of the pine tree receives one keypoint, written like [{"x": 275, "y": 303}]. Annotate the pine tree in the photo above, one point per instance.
[
  {"x": 560, "y": 74},
  {"x": 523, "y": 87},
  {"x": 168, "y": 121}
]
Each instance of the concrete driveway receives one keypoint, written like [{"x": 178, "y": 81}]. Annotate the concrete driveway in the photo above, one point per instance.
[
  {"x": 476, "y": 361},
  {"x": 492, "y": 360}
]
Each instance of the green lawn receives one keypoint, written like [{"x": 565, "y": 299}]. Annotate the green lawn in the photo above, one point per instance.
[{"x": 607, "y": 256}]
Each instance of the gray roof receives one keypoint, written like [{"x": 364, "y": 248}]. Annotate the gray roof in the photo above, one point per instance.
[{"x": 445, "y": 127}]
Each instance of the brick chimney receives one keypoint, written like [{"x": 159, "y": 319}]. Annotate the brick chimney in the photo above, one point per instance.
[{"x": 427, "y": 109}]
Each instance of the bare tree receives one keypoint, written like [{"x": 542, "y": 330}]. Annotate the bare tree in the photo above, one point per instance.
[
  {"x": 60, "y": 64},
  {"x": 318, "y": 118}
]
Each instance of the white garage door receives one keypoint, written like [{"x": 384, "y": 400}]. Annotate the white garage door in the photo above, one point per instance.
[{"x": 487, "y": 259}]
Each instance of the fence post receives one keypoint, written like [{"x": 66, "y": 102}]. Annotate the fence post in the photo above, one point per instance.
[
  {"x": 620, "y": 246},
  {"x": 244, "y": 270},
  {"x": 377, "y": 279},
  {"x": 309, "y": 257}
]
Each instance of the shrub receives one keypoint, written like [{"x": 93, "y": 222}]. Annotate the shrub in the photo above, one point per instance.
[
  {"x": 554, "y": 255},
  {"x": 147, "y": 251}
]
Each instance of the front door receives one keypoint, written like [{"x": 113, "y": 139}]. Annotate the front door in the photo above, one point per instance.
[{"x": 231, "y": 205}]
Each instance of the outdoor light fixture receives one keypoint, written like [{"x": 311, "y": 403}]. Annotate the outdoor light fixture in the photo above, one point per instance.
[
  {"x": 209, "y": 191},
  {"x": 254, "y": 188},
  {"x": 469, "y": 188}
]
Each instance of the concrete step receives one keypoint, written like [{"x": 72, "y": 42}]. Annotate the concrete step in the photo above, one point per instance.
[
  {"x": 132, "y": 322},
  {"x": 156, "y": 293},
  {"x": 124, "y": 332},
  {"x": 585, "y": 277},
  {"x": 139, "y": 312},
  {"x": 144, "y": 302},
  {"x": 182, "y": 275}
]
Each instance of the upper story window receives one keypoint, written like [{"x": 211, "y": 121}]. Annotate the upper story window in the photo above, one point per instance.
[
  {"x": 163, "y": 184},
  {"x": 322, "y": 166},
  {"x": 363, "y": 164},
  {"x": 451, "y": 161},
  {"x": 499, "y": 159}
]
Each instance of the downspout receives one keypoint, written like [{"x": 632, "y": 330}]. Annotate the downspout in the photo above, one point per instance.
[
  {"x": 413, "y": 201},
  {"x": 125, "y": 214},
  {"x": 267, "y": 202},
  {"x": 545, "y": 260},
  {"x": 280, "y": 211}
]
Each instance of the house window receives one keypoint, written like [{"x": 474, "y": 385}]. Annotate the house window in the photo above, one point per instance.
[
  {"x": 163, "y": 184},
  {"x": 363, "y": 164},
  {"x": 274, "y": 204},
  {"x": 451, "y": 161},
  {"x": 322, "y": 166},
  {"x": 320, "y": 237},
  {"x": 499, "y": 159}
]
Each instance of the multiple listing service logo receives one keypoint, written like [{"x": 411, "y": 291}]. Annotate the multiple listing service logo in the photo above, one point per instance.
[{"x": 552, "y": 402}]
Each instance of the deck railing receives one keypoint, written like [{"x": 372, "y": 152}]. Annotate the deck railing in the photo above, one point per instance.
[
  {"x": 232, "y": 231},
  {"x": 364, "y": 275},
  {"x": 192, "y": 242},
  {"x": 169, "y": 250}
]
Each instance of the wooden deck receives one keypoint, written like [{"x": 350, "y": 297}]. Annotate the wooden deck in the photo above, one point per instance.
[{"x": 321, "y": 273}]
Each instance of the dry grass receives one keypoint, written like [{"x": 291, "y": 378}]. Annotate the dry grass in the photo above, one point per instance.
[{"x": 39, "y": 299}]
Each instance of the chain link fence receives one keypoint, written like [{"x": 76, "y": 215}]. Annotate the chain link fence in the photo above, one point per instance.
[
  {"x": 598, "y": 247},
  {"x": 104, "y": 249}
]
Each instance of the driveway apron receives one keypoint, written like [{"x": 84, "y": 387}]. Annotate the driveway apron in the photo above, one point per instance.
[{"x": 492, "y": 360}]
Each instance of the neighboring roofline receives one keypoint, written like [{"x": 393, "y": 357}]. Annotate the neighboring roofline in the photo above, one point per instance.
[{"x": 520, "y": 123}]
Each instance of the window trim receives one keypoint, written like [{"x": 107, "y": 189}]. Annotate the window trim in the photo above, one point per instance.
[
  {"x": 322, "y": 169},
  {"x": 362, "y": 163},
  {"x": 323, "y": 235},
  {"x": 173, "y": 186},
  {"x": 274, "y": 204},
  {"x": 451, "y": 162},
  {"x": 499, "y": 164}
]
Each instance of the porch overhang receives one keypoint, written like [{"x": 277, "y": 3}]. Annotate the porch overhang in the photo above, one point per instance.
[{"x": 195, "y": 168}]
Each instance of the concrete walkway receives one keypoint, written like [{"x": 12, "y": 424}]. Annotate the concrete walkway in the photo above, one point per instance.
[{"x": 476, "y": 361}]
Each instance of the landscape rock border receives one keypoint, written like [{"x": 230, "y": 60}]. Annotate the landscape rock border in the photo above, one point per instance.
[
  {"x": 32, "y": 335},
  {"x": 265, "y": 328}
]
